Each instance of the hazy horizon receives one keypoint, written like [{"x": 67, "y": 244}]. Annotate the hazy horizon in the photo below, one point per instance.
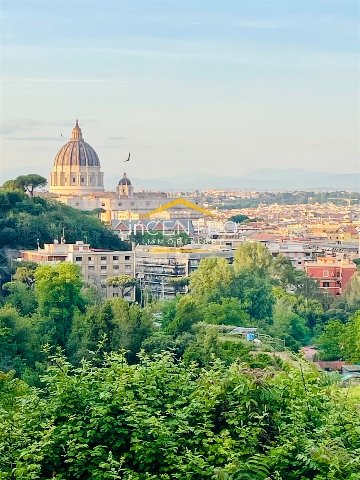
[{"x": 217, "y": 87}]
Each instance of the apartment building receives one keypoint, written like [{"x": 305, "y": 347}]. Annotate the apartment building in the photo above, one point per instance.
[
  {"x": 96, "y": 264},
  {"x": 333, "y": 273},
  {"x": 155, "y": 266},
  {"x": 297, "y": 252}
]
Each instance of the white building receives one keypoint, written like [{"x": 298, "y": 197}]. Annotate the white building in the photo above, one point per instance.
[{"x": 96, "y": 264}]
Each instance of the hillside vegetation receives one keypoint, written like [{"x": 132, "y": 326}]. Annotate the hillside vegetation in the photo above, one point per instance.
[
  {"x": 96, "y": 389},
  {"x": 26, "y": 221}
]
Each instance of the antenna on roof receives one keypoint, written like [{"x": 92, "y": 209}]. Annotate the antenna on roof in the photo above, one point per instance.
[{"x": 62, "y": 240}]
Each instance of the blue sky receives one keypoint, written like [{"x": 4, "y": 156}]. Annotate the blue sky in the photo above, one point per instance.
[{"x": 186, "y": 86}]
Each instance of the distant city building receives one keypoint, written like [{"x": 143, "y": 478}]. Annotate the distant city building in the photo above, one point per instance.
[
  {"x": 333, "y": 273},
  {"x": 96, "y": 264}
]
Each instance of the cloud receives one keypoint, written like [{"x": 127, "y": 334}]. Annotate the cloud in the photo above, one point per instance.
[
  {"x": 258, "y": 24},
  {"x": 35, "y": 139},
  {"x": 10, "y": 126},
  {"x": 61, "y": 80}
]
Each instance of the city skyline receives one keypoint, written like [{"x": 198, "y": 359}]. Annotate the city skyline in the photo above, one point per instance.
[{"x": 200, "y": 86}]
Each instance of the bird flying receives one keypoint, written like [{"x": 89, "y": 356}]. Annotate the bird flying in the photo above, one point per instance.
[
  {"x": 128, "y": 159},
  {"x": 61, "y": 135}
]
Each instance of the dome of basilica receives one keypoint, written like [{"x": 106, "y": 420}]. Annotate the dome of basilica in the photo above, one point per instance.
[
  {"x": 124, "y": 180},
  {"x": 77, "y": 152},
  {"x": 76, "y": 168}
]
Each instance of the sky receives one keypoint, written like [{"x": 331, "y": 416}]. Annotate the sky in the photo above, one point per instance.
[{"x": 222, "y": 87}]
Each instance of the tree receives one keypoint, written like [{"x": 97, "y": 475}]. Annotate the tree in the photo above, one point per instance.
[
  {"x": 229, "y": 311},
  {"x": 25, "y": 275},
  {"x": 282, "y": 270},
  {"x": 351, "y": 339},
  {"x": 20, "y": 344},
  {"x": 58, "y": 293},
  {"x": 213, "y": 273},
  {"x": 254, "y": 292},
  {"x": 350, "y": 300},
  {"x": 123, "y": 282},
  {"x": 310, "y": 288},
  {"x": 20, "y": 296},
  {"x": 30, "y": 182},
  {"x": 331, "y": 341},
  {"x": 8, "y": 237},
  {"x": 11, "y": 186},
  {"x": 187, "y": 314},
  {"x": 252, "y": 256},
  {"x": 288, "y": 326},
  {"x": 179, "y": 283},
  {"x": 238, "y": 218}
]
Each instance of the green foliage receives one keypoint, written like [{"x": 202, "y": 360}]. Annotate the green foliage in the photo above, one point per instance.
[
  {"x": 30, "y": 182},
  {"x": 58, "y": 293},
  {"x": 252, "y": 256},
  {"x": 238, "y": 218},
  {"x": 187, "y": 314},
  {"x": 115, "y": 324},
  {"x": 254, "y": 292},
  {"x": 331, "y": 341},
  {"x": 166, "y": 419},
  {"x": 123, "y": 283},
  {"x": 229, "y": 311},
  {"x": 26, "y": 220},
  {"x": 21, "y": 297},
  {"x": 213, "y": 273},
  {"x": 288, "y": 326},
  {"x": 282, "y": 270},
  {"x": 20, "y": 344}
]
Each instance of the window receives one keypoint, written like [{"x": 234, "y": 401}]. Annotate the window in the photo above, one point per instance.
[
  {"x": 77, "y": 204},
  {"x": 78, "y": 259},
  {"x": 127, "y": 267},
  {"x": 325, "y": 273},
  {"x": 82, "y": 179},
  {"x": 127, "y": 294},
  {"x": 103, "y": 204},
  {"x": 116, "y": 267},
  {"x": 115, "y": 294},
  {"x": 127, "y": 257},
  {"x": 74, "y": 179},
  {"x": 120, "y": 204},
  {"x": 116, "y": 258},
  {"x": 326, "y": 284},
  {"x": 299, "y": 263},
  {"x": 103, "y": 258},
  {"x": 103, "y": 267},
  {"x": 90, "y": 259},
  {"x": 91, "y": 268}
]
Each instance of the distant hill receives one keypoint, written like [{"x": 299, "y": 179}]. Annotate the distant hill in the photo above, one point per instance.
[{"x": 263, "y": 179}]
